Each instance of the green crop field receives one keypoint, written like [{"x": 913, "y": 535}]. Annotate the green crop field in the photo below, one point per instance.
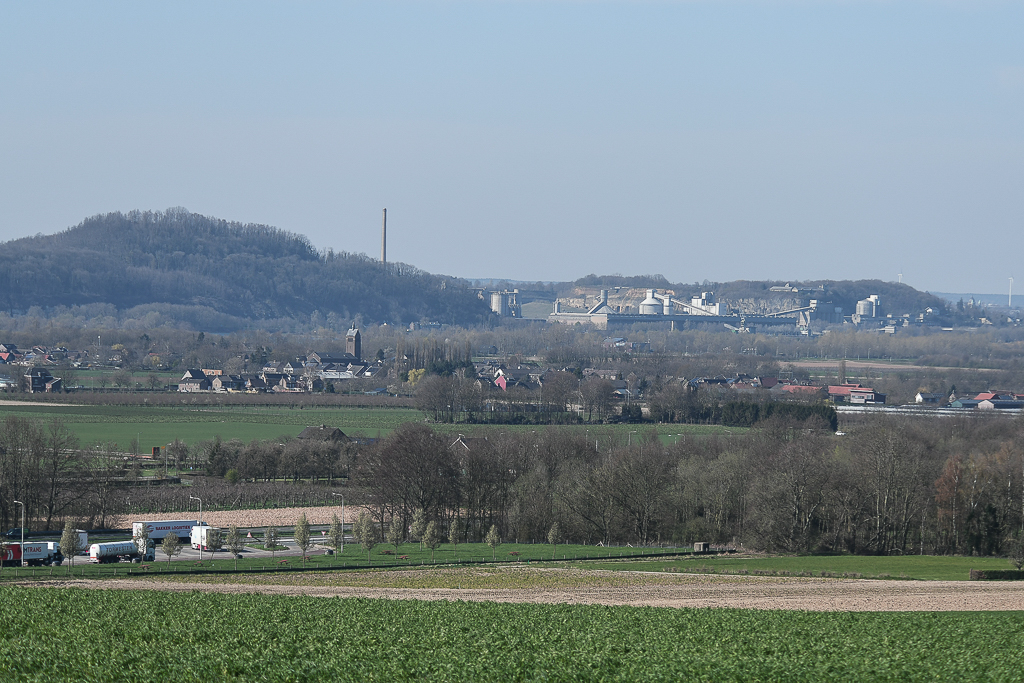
[
  {"x": 925, "y": 567},
  {"x": 74, "y": 634},
  {"x": 160, "y": 425}
]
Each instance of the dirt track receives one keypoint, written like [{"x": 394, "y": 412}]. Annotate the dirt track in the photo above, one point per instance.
[{"x": 856, "y": 595}]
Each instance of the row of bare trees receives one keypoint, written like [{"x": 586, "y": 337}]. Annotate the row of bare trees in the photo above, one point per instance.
[
  {"x": 887, "y": 487},
  {"x": 456, "y": 398},
  {"x": 42, "y": 466},
  {"x": 285, "y": 458}
]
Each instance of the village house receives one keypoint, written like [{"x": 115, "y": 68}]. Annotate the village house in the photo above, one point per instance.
[
  {"x": 193, "y": 381},
  {"x": 854, "y": 394},
  {"x": 39, "y": 380},
  {"x": 226, "y": 383}
]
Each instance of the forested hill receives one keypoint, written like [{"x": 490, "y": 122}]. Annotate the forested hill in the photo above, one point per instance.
[{"x": 176, "y": 266}]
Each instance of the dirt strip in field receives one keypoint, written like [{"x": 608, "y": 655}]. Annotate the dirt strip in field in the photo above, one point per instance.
[
  {"x": 821, "y": 595},
  {"x": 877, "y": 365},
  {"x": 260, "y": 518}
]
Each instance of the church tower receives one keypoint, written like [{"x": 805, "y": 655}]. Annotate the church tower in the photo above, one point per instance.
[{"x": 352, "y": 344}]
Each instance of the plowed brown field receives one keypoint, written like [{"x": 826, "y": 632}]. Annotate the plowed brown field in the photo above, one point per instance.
[
  {"x": 643, "y": 590},
  {"x": 262, "y": 518}
]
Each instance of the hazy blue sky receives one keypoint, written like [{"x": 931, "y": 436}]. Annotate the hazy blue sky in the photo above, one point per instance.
[{"x": 539, "y": 140}]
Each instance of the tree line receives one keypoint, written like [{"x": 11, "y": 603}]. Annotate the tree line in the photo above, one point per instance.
[
  {"x": 887, "y": 487},
  {"x": 44, "y": 466},
  {"x": 563, "y": 398}
]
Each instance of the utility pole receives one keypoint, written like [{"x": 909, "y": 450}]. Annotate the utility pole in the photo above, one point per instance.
[
  {"x": 342, "y": 521},
  {"x": 384, "y": 238},
  {"x": 21, "y": 563}
]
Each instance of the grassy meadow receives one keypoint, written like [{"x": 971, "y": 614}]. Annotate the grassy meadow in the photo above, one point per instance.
[
  {"x": 922, "y": 567},
  {"x": 74, "y": 634},
  {"x": 407, "y": 555},
  {"x": 160, "y": 425},
  {"x": 663, "y": 561}
]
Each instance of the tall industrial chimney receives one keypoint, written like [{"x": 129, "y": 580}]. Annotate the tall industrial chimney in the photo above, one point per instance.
[{"x": 384, "y": 238}]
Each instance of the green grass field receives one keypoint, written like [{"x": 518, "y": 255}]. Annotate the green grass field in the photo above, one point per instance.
[
  {"x": 69, "y": 634},
  {"x": 926, "y": 567},
  {"x": 95, "y": 378},
  {"x": 383, "y": 556},
  {"x": 410, "y": 555},
  {"x": 160, "y": 425}
]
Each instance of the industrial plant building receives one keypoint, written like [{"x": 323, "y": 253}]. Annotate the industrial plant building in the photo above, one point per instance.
[{"x": 665, "y": 308}]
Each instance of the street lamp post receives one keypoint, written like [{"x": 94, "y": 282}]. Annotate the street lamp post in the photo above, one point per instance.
[
  {"x": 191, "y": 497},
  {"x": 342, "y": 549},
  {"x": 21, "y": 551}
]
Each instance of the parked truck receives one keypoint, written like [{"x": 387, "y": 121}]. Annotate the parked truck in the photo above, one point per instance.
[
  {"x": 158, "y": 531},
  {"x": 46, "y": 553},
  {"x": 200, "y": 536},
  {"x": 122, "y": 551}
]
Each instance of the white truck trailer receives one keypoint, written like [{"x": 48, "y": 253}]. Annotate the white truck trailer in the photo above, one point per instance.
[
  {"x": 158, "y": 531},
  {"x": 200, "y": 536},
  {"x": 43, "y": 553},
  {"x": 122, "y": 551}
]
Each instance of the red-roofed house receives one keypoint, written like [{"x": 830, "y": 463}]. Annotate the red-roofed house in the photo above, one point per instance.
[{"x": 802, "y": 390}]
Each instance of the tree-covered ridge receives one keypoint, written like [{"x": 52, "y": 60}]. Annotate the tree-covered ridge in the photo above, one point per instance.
[{"x": 246, "y": 271}]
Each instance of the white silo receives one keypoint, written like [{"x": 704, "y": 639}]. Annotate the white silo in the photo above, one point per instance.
[
  {"x": 650, "y": 305},
  {"x": 499, "y": 303}
]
